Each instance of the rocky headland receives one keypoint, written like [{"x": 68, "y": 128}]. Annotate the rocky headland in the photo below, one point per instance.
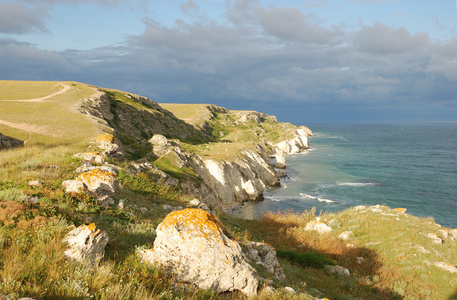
[{"x": 109, "y": 195}]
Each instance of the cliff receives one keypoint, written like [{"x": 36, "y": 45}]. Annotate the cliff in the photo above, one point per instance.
[{"x": 228, "y": 153}]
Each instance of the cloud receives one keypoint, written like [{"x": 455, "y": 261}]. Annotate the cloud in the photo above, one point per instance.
[
  {"x": 24, "y": 61},
  {"x": 290, "y": 24},
  {"x": 382, "y": 39},
  {"x": 16, "y": 18}
]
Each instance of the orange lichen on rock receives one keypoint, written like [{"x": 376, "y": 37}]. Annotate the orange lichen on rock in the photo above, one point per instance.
[
  {"x": 197, "y": 218},
  {"x": 105, "y": 138},
  {"x": 400, "y": 210},
  {"x": 91, "y": 227},
  {"x": 96, "y": 174}
]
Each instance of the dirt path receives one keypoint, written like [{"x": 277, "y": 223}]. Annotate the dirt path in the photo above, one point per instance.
[
  {"x": 34, "y": 128},
  {"x": 65, "y": 89}
]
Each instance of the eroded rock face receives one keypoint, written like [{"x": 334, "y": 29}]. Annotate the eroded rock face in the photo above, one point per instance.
[
  {"x": 191, "y": 245},
  {"x": 87, "y": 244}
]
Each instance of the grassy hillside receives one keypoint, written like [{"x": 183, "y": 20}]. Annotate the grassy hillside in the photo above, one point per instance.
[{"x": 389, "y": 253}]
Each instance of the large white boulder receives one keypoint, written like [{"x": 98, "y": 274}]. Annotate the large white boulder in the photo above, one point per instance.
[
  {"x": 87, "y": 244},
  {"x": 192, "y": 246}
]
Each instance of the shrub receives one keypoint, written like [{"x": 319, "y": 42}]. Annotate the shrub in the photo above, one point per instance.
[{"x": 310, "y": 259}]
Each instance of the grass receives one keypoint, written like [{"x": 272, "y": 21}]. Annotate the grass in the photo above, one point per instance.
[{"x": 391, "y": 243}]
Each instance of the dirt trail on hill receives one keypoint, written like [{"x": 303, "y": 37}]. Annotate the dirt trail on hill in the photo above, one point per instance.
[
  {"x": 29, "y": 127},
  {"x": 65, "y": 89}
]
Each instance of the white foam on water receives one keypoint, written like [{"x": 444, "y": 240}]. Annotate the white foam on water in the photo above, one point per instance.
[{"x": 306, "y": 196}]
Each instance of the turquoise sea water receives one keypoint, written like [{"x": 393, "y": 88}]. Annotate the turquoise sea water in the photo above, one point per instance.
[{"x": 409, "y": 166}]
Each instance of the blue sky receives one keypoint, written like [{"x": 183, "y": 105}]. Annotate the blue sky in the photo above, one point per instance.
[{"x": 305, "y": 61}]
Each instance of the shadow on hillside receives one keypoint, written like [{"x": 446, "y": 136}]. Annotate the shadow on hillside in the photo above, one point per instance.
[
  {"x": 453, "y": 296},
  {"x": 362, "y": 261}
]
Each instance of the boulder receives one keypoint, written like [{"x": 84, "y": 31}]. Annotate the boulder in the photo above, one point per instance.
[
  {"x": 317, "y": 226},
  {"x": 110, "y": 146},
  {"x": 99, "y": 182},
  {"x": 265, "y": 255},
  {"x": 87, "y": 244},
  {"x": 192, "y": 246},
  {"x": 435, "y": 238}
]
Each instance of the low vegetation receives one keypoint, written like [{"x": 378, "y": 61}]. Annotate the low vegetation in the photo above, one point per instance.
[{"x": 389, "y": 253}]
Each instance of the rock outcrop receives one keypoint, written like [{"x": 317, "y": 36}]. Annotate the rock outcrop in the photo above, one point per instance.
[
  {"x": 7, "y": 142},
  {"x": 265, "y": 255},
  {"x": 87, "y": 244},
  {"x": 192, "y": 246}
]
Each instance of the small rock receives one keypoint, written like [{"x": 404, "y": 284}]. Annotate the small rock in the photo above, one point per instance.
[
  {"x": 342, "y": 271},
  {"x": 73, "y": 186},
  {"x": 100, "y": 182},
  {"x": 290, "y": 290},
  {"x": 435, "y": 238},
  {"x": 143, "y": 209},
  {"x": 31, "y": 199},
  {"x": 121, "y": 204},
  {"x": 317, "y": 226},
  {"x": 360, "y": 260},
  {"x": 167, "y": 207},
  {"x": 34, "y": 183},
  {"x": 346, "y": 235},
  {"x": 194, "y": 202},
  {"x": 423, "y": 250},
  {"x": 445, "y": 266},
  {"x": 360, "y": 207},
  {"x": 453, "y": 233},
  {"x": 268, "y": 290}
]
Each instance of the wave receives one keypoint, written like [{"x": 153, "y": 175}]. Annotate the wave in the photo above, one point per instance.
[
  {"x": 306, "y": 196},
  {"x": 358, "y": 183}
]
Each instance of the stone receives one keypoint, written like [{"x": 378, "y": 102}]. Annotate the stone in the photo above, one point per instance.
[
  {"x": 140, "y": 166},
  {"x": 121, "y": 204},
  {"x": 342, "y": 271},
  {"x": 34, "y": 183},
  {"x": 360, "y": 207},
  {"x": 92, "y": 157},
  {"x": 346, "y": 235},
  {"x": 360, "y": 260},
  {"x": 265, "y": 255},
  {"x": 191, "y": 246},
  {"x": 110, "y": 146},
  {"x": 289, "y": 290},
  {"x": 453, "y": 233},
  {"x": 445, "y": 266},
  {"x": 99, "y": 182},
  {"x": 435, "y": 238},
  {"x": 318, "y": 227},
  {"x": 194, "y": 202},
  {"x": 87, "y": 244},
  {"x": 423, "y": 250},
  {"x": 73, "y": 186}
]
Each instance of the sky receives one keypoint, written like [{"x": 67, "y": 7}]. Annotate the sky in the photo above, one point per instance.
[{"x": 304, "y": 61}]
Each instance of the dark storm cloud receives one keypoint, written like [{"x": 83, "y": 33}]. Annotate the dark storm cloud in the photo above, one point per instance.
[
  {"x": 16, "y": 18},
  {"x": 276, "y": 60}
]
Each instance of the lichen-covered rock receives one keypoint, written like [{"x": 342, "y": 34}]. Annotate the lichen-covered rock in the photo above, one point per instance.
[
  {"x": 317, "y": 226},
  {"x": 73, "y": 186},
  {"x": 87, "y": 244},
  {"x": 110, "y": 146},
  {"x": 92, "y": 156},
  {"x": 445, "y": 266},
  {"x": 265, "y": 255},
  {"x": 192, "y": 246},
  {"x": 99, "y": 182}
]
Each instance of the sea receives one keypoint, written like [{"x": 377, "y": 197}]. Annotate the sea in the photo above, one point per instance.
[{"x": 407, "y": 166}]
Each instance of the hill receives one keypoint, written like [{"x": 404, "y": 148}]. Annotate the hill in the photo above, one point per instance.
[{"x": 74, "y": 154}]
